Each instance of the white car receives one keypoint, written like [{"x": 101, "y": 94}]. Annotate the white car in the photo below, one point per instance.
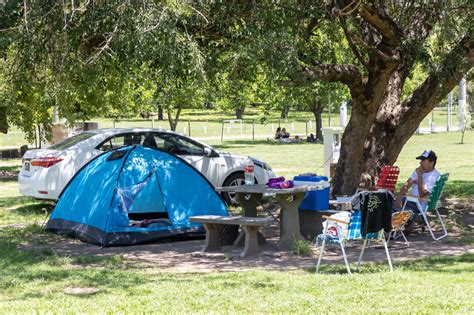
[{"x": 45, "y": 172}]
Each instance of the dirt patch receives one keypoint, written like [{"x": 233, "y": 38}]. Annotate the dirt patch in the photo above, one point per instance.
[{"x": 186, "y": 256}]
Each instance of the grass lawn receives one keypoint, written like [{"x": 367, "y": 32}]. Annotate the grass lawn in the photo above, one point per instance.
[{"x": 33, "y": 280}]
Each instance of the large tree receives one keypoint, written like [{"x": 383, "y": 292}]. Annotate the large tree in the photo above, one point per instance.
[
  {"x": 388, "y": 39},
  {"x": 386, "y": 43}
]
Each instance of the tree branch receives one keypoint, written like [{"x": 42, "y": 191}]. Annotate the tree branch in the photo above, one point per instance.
[
  {"x": 352, "y": 45},
  {"x": 347, "y": 74},
  {"x": 384, "y": 25}
]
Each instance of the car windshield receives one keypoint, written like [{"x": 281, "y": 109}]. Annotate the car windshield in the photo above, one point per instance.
[{"x": 69, "y": 142}]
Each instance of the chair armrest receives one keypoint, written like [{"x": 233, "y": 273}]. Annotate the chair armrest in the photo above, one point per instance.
[
  {"x": 334, "y": 219},
  {"x": 416, "y": 198}
]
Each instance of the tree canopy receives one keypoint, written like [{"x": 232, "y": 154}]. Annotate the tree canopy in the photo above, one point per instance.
[{"x": 397, "y": 59}]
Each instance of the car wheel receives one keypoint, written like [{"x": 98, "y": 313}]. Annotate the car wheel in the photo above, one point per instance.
[{"x": 235, "y": 179}]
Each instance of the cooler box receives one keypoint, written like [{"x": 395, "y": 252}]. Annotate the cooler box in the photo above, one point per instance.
[{"x": 315, "y": 200}]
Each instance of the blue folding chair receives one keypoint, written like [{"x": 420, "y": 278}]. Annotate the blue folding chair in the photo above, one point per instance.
[{"x": 339, "y": 237}]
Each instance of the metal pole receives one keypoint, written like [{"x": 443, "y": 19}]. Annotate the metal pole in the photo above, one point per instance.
[
  {"x": 450, "y": 111},
  {"x": 189, "y": 128},
  {"x": 306, "y": 128},
  {"x": 462, "y": 103},
  {"x": 253, "y": 130},
  {"x": 329, "y": 109},
  {"x": 222, "y": 132}
]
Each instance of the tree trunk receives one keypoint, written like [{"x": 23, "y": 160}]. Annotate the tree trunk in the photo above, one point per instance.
[
  {"x": 317, "y": 110},
  {"x": 160, "y": 112},
  {"x": 284, "y": 112},
  {"x": 239, "y": 112},
  {"x": 174, "y": 122},
  {"x": 375, "y": 136},
  {"x": 3, "y": 120}
]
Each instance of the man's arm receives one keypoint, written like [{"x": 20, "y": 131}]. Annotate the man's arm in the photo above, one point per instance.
[
  {"x": 402, "y": 192},
  {"x": 421, "y": 185}
]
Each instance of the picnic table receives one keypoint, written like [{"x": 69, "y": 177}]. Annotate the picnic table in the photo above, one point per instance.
[{"x": 289, "y": 199}]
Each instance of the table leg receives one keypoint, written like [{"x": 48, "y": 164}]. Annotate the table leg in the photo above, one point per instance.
[
  {"x": 240, "y": 240},
  {"x": 249, "y": 204},
  {"x": 213, "y": 241},
  {"x": 251, "y": 242},
  {"x": 290, "y": 223}
]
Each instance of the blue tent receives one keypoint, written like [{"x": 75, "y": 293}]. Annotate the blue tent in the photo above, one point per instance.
[{"x": 134, "y": 195}]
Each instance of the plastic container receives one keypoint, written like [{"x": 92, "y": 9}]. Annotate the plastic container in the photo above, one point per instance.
[
  {"x": 249, "y": 174},
  {"x": 315, "y": 200}
]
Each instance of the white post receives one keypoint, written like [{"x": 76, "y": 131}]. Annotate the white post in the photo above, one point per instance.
[
  {"x": 56, "y": 115},
  {"x": 462, "y": 103},
  {"x": 205, "y": 129},
  {"x": 292, "y": 126},
  {"x": 450, "y": 111},
  {"x": 332, "y": 146},
  {"x": 273, "y": 128},
  {"x": 432, "y": 125},
  {"x": 343, "y": 115},
  {"x": 152, "y": 120}
]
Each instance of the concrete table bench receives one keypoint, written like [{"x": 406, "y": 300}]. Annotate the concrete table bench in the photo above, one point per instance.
[{"x": 250, "y": 226}]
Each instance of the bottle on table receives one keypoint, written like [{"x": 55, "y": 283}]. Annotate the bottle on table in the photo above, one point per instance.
[{"x": 249, "y": 173}]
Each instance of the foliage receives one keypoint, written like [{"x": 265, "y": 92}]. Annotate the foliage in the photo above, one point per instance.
[{"x": 302, "y": 248}]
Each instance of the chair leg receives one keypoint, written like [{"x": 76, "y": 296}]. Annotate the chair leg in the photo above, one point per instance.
[
  {"x": 345, "y": 258},
  {"x": 361, "y": 253},
  {"x": 425, "y": 218},
  {"x": 321, "y": 250},
  {"x": 404, "y": 237},
  {"x": 388, "y": 254},
  {"x": 390, "y": 236}
]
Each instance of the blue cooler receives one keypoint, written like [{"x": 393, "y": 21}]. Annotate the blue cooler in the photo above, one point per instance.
[{"x": 314, "y": 200}]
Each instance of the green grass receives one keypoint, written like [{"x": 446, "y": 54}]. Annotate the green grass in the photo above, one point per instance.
[{"x": 35, "y": 279}]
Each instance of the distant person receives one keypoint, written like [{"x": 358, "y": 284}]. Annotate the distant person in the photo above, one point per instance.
[
  {"x": 311, "y": 138},
  {"x": 278, "y": 134},
  {"x": 423, "y": 180},
  {"x": 284, "y": 134}
]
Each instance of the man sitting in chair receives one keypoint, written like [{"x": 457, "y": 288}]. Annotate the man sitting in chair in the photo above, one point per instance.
[{"x": 422, "y": 179}]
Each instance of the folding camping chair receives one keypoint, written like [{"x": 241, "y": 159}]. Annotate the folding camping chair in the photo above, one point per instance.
[
  {"x": 388, "y": 178},
  {"x": 431, "y": 206},
  {"x": 399, "y": 219},
  {"x": 337, "y": 236}
]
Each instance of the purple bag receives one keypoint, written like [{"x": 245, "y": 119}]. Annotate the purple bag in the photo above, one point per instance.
[
  {"x": 275, "y": 180},
  {"x": 280, "y": 183}
]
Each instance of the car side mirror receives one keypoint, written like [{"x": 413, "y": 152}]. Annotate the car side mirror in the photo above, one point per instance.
[{"x": 209, "y": 152}]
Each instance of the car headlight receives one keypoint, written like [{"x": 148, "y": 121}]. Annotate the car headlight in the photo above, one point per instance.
[{"x": 261, "y": 164}]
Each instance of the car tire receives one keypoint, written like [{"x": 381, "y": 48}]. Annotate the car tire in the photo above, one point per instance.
[{"x": 234, "y": 179}]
